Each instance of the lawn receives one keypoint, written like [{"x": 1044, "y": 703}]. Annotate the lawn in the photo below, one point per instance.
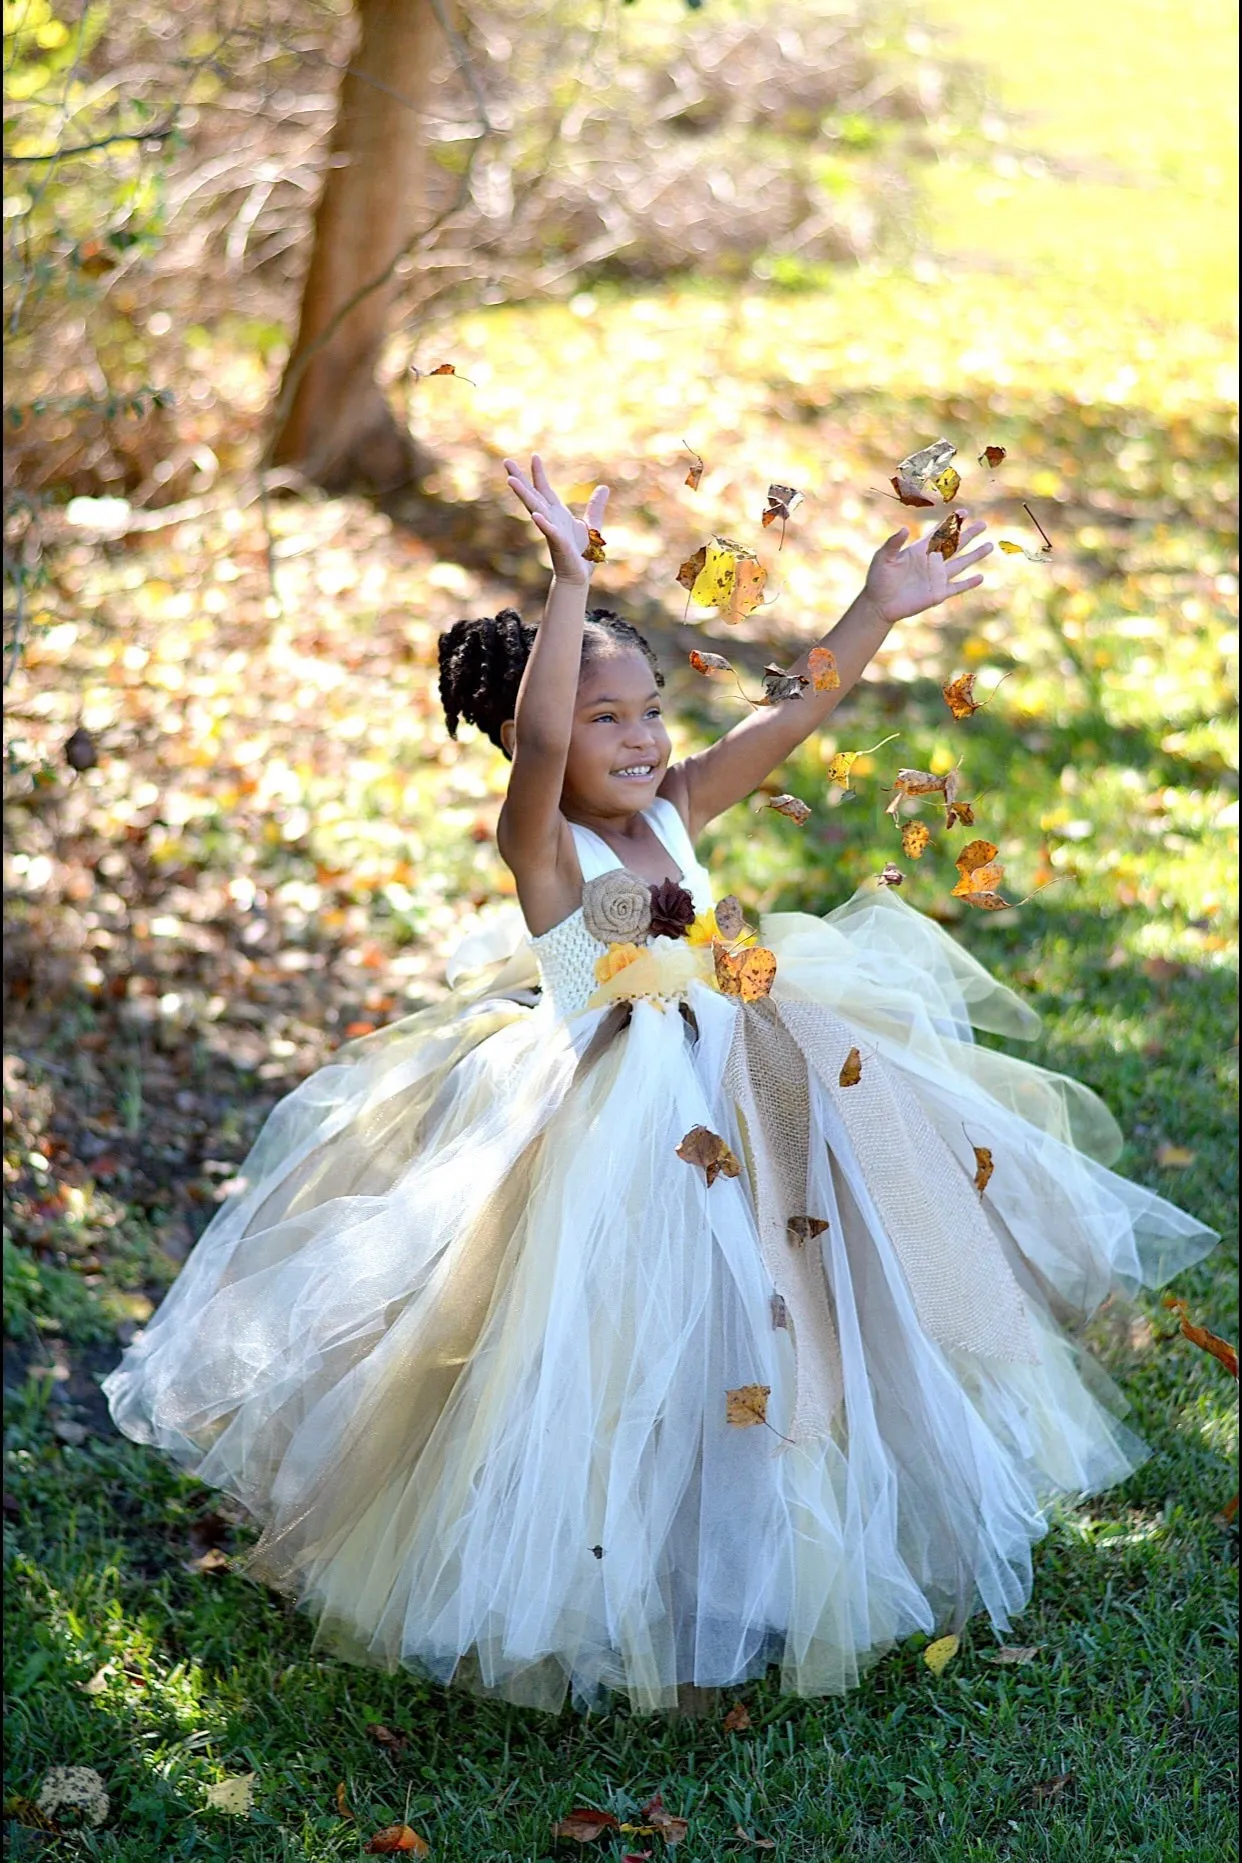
[{"x": 278, "y": 844}]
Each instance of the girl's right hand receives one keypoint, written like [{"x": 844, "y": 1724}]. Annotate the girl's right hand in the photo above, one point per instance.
[{"x": 566, "y": 535}]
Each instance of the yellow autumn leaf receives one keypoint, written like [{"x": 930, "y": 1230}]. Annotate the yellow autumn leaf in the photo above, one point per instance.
[
  {"x": 714, "y": 583},
  {"x": 940, "y": 1654},
  {"x": 233, "y": 1796}
]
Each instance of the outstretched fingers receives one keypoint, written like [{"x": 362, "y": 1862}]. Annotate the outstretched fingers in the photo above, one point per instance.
[{"x": 595, "y": 507}]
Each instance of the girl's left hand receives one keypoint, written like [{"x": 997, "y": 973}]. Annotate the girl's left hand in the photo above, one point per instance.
[
  {"x": 565, "y": 535},
  {"x": 905, "y": 581}
]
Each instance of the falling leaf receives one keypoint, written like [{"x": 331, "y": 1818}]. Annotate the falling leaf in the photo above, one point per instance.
[
  {"x": 730, "y": 919},
  {"x": 783, "y": 501},
  {"x": 341, "y": 1803},
  {"x": 441, "y": 368},
  {"x": 790, "y": 806},
  {"x": 962, "y": 812},
  {"x": 670, "y": 1828},
  {"x": 914, "y": 839},
  {"x": 748, "y": 974},
  {"x": 1173, "y": 1157},
  {"x": 233, "y": 1796},
  {"x": 980, "y": 874},
  {"x": 909, "y": 492},
  {"x": 940, "y": 1654},
  {"x": 1200, "y": 1336},
  {"x": 391, "y": 1742},
  {"x": 714, "y": 583},
  {"x": 821, "y": 664},
  {"x": 991, "y": 457},
  {"x": 959, "y": 695},
  {"x": 947, "y": 483},
  {"x": 737, "y": 1720},
  {"x": 748, "y": 585},
  {"x": 704, "y": 1147},
  {"x": 840, "y": 765},
  {"x": 694, "y": 477},
  {"x": 914, "y": 783},
  {"x": 851, "y": 1069},
  {"x": 984, "y": 1167},
  {"x": 946, "y": 536},
  {"x": 928, "y": 460},
  {"x": 1012, "y": 1653},
  {"x": 80, "y": 752},
  {"x": 594, "y": 552},
  {"x": 585, "y": 1824},
  {"x": 746, "y": 1405},
  {"x": 692, "y": 568},
  {"x": 804, "y": 1229},
  {"x": 779, "y": 685},
  {"x": 891, "y": 876},
  {"x": 397, "y": 1840},
  {"x": 710, "y": 663},
  {"x": 1020, "y": 549}
]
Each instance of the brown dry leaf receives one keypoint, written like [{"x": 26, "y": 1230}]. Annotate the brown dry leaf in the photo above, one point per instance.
[
  {"x": 991, "y": 457},
  {"x": 783, "y": 501},
  {"x": 585, "y": 1824},
  {"x": 1012, "y": 1653},
  {"x": 821, "y": 664},
  {"x": 594, "y": 552},
  {"x": 914, "y": 839},
  {"x": 748, "y": 584},
  {"x": 959, "y": 695},
  {"x": 730, "y": 919},
  {"x": 671, "y": 1829},
  {"x": 710, "y": 663},
  {"x": 779, "y": 685},
  {"x": 737, "y": 1720},
  {"x": 215, "y": 1559},
  {"x": 851, "y": 1069},
  {"x": 914, "y": 783},
  {"x": 803, "y": 1229},
  {"x": 789, "y": 806},
  {"x": 706, "y": 1148},
  {"x": 746, "y": 1405},
  {"x": 946, "y": 536},
  {"x": 979, "y": 874},
  {"x": 748, "y": 974},
  {"x": 909, "y": 491},
  {"x": 694, "y": 478},
  {"x": 962, "y": 812},
  {"x": 759, "y": 1843},
  {"x": 1048, "y": 1790},
  {"x": 1173, "y": 1157},
  {"x": 890, "y": 876},
  {"x": 692, "y": 568},
  {"x": 391, "y": 1742},
  {"x": 342, "y": 1805},
  {"x": 441, "y": 368},
  {"x": 940, "y": 1654},
  {"x": 1200, "y": 1336},
  {"x": 397, "y": 1840},
  {"x": 984, "y": 1167}
]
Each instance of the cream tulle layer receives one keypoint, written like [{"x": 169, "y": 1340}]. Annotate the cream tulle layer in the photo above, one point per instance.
[{"x": 462, "y": 1342}]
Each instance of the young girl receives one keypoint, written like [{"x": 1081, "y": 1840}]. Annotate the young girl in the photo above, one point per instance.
[{"x": 644, "y": 1330}]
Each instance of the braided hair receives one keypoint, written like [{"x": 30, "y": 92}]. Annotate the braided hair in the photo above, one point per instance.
[{"x": 482, "y": 662}]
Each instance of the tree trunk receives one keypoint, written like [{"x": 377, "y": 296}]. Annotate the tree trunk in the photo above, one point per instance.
[{"x": 339, "y": 429}]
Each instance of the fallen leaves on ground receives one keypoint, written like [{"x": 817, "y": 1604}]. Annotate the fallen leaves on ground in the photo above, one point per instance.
[
  {"x": 397, "y": 1840},
  {"x": 938, "y": 1655},
  {"x": 584, "y": 1824},
  {"x": 672, "y": 1829},
  {"x": 342, "y": 1803},
  {"x": 233, "y": 1796},
  {"x": 385, "y": 1737},
  {"x": 1015, "y": 1655},
  {"x": 756, "y": 1843},
  {"x": 1173, "y": 1157},
  {"x": 705, "y": 1148},
  {"x": 737, "y": 1720},
  {"x": 1047, "y": 1791}
]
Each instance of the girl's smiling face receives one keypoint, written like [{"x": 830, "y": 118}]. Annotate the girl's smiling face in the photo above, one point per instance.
[{"x": 619, "y": 749}]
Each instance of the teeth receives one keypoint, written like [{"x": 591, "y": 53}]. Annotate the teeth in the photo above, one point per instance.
[{"x": 636, "y": 769}]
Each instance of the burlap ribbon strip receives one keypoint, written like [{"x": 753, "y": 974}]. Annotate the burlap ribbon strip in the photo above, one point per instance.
[
  {"x": 963, "y": 1289},
  {"x": 766, "y": 1077}
]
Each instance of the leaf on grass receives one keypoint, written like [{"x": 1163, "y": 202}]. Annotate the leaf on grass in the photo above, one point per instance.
[
  {"x": 851, "y": 1069},
  {"x": 710, "y": 663},
  {"x": 804, "y": 1229},
  {"x": 1173, "y": 1157},
  {"x": 758, "y": 1843},
  {"x": 594, "y": 552},
  {"x": 585, "y": 1824},
  {"x": 791, "y": 807},
  {"x": 1048, "y": 1790},
  {"x": 746, "y": 1405},
  {"x": 706, "y": 1148},
  {"x": 730, "y": 919},
  {"x": 394, "y": 1743},
  {"x": 984, "y": 1167},
  {"x": 914, "y": 839},
  {"x": 342, "y": 1804},
  {"x": 991, "y": 457},
  {"x": 946, "y": 536},
  {"x": 779, "y": 685},
  {"x": 670, "y": 1828},
  {"x": 233, "y": 1796},
  {"x": 737, "y": 1720},
  {"x": 821, "y": 664},
  {"x": 1012, "y": 1654},
  {"x": 748, "y": 974},
  {"x": 940, "y": 1654},
  {"x": 397, "y": 1840},
  {"x": 692, "y": 568},
  {"x": 215, "y": 1559},
  {"x": 890, "y": 875}
]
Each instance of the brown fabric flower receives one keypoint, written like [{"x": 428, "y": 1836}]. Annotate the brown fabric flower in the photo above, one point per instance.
[
  {"x": 672, "y": 910},
  {"x": 616, "y": 907}
]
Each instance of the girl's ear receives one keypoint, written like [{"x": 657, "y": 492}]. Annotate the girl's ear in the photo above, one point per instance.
[{"x": 508, "y": 737}]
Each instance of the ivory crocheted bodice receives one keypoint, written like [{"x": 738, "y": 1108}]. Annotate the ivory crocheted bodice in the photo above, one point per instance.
[{"x": 568, "y": 953}]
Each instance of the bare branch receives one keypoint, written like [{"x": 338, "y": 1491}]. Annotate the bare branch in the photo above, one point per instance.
[{"x": 160, "y": 134}]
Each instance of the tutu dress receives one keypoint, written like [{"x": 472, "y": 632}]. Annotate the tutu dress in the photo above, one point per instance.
[{"x": 464, "y": 1340}]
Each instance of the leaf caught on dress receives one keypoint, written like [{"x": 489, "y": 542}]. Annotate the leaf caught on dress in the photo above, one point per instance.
[
  {"x": 984, "y": 1167},
  {"x": 804, "y": 1229},
  {"x": 705, "y": 1148},
  {"x": 851, "y": 1069},
  {"x": 746, "y": 1405}
]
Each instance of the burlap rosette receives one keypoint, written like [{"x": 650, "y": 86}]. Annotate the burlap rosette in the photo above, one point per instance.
[{"x": 616, "y": 907}]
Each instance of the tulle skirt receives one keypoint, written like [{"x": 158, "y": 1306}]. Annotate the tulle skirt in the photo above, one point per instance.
[{"x": 464, "y": 1340}]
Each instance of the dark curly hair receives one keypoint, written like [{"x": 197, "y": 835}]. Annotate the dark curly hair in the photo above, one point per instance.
[{"x": 482, "y": 662}]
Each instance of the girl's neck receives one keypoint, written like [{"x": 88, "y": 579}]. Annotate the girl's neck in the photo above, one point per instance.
[{"x": 616, "y": 827}]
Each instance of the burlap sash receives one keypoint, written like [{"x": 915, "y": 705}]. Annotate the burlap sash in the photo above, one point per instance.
[
  {"x": 766, "y": 1077},
  {"x": 963, "y": 1289}
]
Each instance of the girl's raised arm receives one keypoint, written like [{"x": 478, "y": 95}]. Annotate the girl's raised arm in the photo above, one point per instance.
[
  {"x": 900, "y": 582},
  {"x": 531, "y": 824}
]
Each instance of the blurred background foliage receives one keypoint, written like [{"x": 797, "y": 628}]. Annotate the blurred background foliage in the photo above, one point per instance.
[{"x": 802, "y": 239}]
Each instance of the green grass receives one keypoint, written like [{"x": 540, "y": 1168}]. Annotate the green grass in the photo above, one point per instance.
[{"x": 153, "y": 1020}]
